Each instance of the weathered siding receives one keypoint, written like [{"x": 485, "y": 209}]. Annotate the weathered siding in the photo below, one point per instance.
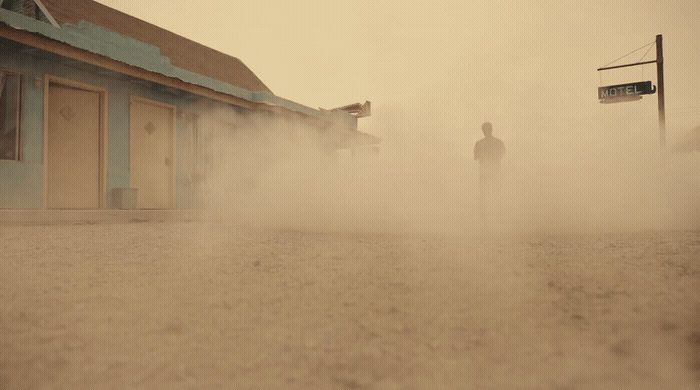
[{"x": 21, "y": 183}]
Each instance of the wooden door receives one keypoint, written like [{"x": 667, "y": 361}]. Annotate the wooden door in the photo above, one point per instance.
[
  {"x": 152, "y": 163},
  {"x": 73, "y": 150}
]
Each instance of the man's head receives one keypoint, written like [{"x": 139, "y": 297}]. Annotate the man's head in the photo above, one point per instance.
[{"x": 487, "y": 128}]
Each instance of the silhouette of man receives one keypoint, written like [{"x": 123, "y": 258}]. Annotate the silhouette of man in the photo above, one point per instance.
[{"x": 488, "y": 151}]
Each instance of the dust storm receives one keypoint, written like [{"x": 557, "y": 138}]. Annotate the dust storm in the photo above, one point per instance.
[
  {"x": 315, "y": 265},
  {"x": 280, "y": 174}
]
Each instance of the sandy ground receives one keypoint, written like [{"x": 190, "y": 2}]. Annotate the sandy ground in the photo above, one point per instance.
[{"x": 196, "y": 305}]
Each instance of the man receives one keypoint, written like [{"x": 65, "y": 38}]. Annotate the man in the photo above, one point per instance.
[{"x": 488, "y": 151}]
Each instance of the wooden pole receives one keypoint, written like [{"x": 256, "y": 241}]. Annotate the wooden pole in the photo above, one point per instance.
[{"x": 660, "y": 82}]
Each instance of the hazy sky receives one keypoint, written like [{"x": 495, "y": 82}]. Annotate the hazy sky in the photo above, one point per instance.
[{"x": 450, "y": 65}]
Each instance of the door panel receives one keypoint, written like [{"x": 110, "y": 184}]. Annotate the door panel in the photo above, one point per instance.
[
  {"x": 152, "y": 130},
  {"x": 73, "y": 148}
]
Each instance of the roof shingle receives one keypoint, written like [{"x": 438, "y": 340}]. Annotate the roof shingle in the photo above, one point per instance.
[{"x": 183, "y": 53}]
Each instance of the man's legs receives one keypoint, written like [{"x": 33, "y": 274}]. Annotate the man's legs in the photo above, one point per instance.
[{"x": 485, "y": 194}]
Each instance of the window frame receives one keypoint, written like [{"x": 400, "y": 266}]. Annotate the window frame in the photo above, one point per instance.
[{"x": 18, "y": 117}]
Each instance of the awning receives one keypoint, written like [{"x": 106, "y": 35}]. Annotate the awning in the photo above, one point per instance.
[{"x": 105, "y": 48}]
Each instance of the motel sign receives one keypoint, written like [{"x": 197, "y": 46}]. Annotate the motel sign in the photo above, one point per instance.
[
  {"x": 634, "y": 91},
  {"x": 625, "y": 92}
]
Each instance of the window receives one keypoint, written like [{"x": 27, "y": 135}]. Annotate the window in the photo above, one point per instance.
[{"x": 9, "y": 115}]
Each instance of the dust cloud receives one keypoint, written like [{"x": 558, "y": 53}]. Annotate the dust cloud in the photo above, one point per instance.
[
  {"x": 271, "y": 172},
  {"x": 423, "y": 179}
]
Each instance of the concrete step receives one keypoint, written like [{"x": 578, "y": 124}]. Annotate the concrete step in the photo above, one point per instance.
[{"x": 97, "y": 216}]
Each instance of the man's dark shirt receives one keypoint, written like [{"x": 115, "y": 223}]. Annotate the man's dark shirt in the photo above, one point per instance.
[{"x": 489, "y": 151}]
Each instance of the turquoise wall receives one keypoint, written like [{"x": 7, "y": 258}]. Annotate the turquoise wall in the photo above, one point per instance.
[{"x": 21, "y": 183}]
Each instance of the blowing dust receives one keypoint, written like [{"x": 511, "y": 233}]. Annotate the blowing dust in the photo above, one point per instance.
[{"x": 275, "y": 173}]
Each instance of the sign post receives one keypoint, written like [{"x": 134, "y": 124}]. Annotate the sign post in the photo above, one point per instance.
[
  {"x": 660, "y": 82},
  {"x": 633, "y": 91}
]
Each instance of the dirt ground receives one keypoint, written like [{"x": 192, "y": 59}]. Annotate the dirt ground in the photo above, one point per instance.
[{"x": 198, "y": 305}]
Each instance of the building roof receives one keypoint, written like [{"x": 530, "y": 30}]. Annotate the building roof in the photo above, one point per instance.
[
  {"x": 182, "y": 52},
  {"x": 101, "y": 46}
]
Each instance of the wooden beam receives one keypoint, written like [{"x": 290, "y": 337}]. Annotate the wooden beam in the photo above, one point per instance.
[
  {"x": 46, "y": 13},
  {"x": 626, "y": 65}
]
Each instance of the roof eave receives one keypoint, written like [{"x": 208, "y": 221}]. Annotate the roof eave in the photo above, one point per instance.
[{"x": 105, "y": 48}]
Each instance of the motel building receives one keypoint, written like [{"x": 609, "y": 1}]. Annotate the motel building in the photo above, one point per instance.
[{"x": 100, "y": 110}]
